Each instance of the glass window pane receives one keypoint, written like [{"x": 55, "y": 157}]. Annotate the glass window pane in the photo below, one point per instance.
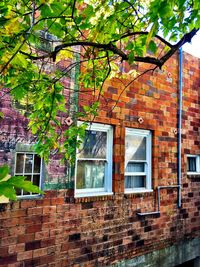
[
  {"x": 37, "y": 161},
  {"x": 28, "y": 163},
  {"x": 20, "y": 163},
  {"x": 135, "y": 167},
  {"x": 90, "y": 174},
  {"x": 94, "y": 145},
  {"x": 135, "y": 181},
  {"x": 135, "y": 147},
  {"x": 192, "y": 164},
  {"x": 28, "y": 178},
  {"x": 36, "y": 180}
]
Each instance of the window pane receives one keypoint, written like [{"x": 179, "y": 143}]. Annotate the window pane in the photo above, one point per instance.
[
  {"x": 192, "y": 164},
  {"x": 90, "y": 174},
  {"x": 28, "y": 178},
  {"x": 135, "y": 148},
  {"x": 28, "y": 163},
  {"x": 20, "y": 163},
  {"x": 135, "y": 167},
  {"x": 36, "y": 180},
  {"x": 135, "y": 181},
  {"x": 94, "y": 145},
  {"x": 37, "y": 161}
]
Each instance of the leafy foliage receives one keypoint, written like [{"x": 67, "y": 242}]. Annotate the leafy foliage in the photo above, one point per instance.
[
  {"x": 8, "y": 185},
  {"x": 38, "y": 38}
]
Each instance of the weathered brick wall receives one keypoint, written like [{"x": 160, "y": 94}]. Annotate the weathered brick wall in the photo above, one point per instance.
[
  {"x": 59, "y": 230},
  {"x": 56, "y": 232},
  {"x": 14, "y": 134}
]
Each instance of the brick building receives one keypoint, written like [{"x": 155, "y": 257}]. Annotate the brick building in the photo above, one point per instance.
[{"x": 135, "y": 198}]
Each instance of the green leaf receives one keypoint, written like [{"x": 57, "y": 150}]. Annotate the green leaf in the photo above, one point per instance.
[
  {"x": 88, "y": 11},
  {"x": 59, "y": 97},
  {"x": 130, "y": 46},
  {"x": 46, "y": 11},
  {"x": 85, "y": 26},
  {"x": 7, "y": 190},
  {"x": 19, "y": 182},
  {"x": 152, "y": 47},
  {"x": 19, "y": 92},
  {"x": 131, "y": 57},
  {"x": 1, "y": 115},
  {"x": 57, "y": 8},
  {"x": 4, "y": 170}
]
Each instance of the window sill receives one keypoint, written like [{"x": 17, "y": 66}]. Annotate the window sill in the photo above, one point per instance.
[
  {"x": 92, "y": 194},
  {"x": 193, "y": 174},
  {"x": 30, "y": 197},
  {"x": 138, "y": 191}
]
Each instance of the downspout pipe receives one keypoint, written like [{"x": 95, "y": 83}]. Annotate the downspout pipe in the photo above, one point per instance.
[
  {"x": 179, "y": 171},
  {"x": 180, "y": 104}
]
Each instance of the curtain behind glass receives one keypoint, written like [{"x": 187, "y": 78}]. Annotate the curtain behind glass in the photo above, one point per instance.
[
  {"x": 135, "y": 181},
  {"x": 135, "y": 167},
  {"x": 192, "y": 164}
]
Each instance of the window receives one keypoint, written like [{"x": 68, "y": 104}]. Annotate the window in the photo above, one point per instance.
[
  {"x": 30, "y": 165},
  {"x": 137, "y": 160},
  {"x": 94, "y": 162},
  {"x": 193, "y": 164}
]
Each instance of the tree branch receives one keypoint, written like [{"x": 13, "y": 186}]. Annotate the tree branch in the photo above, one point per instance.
[
  {"x": 129, "y": 34},
  {"x": 107, "y": 47},
  {"x": 185, "y": 39},
  {"x": 113, "y": 48}
]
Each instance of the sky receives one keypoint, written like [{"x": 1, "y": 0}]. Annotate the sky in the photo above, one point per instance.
[{"x": 193, "y": 48}]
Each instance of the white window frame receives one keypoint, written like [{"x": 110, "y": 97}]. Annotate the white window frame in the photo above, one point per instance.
[
  {"x": 31, "y": 173},
  {"x": 107, "y": 189},
  {"x": 197, "y": 157},
  {"x": 148, "y": 161}
]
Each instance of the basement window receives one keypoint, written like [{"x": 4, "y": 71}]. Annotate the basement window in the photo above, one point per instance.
[
  {"x": 30, "y": 165},
  {"x": 94, "y": 162},
  {"x": 137, "y": 160},
  {"x": 193, "y": 164}
]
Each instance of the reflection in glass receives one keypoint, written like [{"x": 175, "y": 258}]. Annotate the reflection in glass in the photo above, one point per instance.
[
  {"x": 20, "y": 163},
  {"x": 90, "y": 174},
  {"x": 37, "y": 161},
  {"x": 28, "y": 163},
  {"x": 94, "y": 145},
  {"x": 135, "y": 147},
  {"x": 135, "y": 181}
]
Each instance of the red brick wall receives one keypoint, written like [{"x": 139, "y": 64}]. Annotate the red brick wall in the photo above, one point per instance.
[{"x": 59, "y": 230}]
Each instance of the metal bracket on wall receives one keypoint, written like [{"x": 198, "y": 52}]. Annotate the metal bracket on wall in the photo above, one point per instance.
[{"x": 157, "y": 212}]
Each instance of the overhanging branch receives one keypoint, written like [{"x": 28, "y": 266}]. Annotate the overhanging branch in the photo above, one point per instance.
[
  {"x": 113, "y": 48},
  {"x": 130, "y": 34},
  {"x": 185, "y": 39}
]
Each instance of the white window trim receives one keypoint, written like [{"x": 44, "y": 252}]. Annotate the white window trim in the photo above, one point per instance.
[
  {"x": 148, "y": 172},
  {"x": 107, "y": 189},
  {"x": 197, "y": 172},
  {"x": 32, "y": 173}
]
